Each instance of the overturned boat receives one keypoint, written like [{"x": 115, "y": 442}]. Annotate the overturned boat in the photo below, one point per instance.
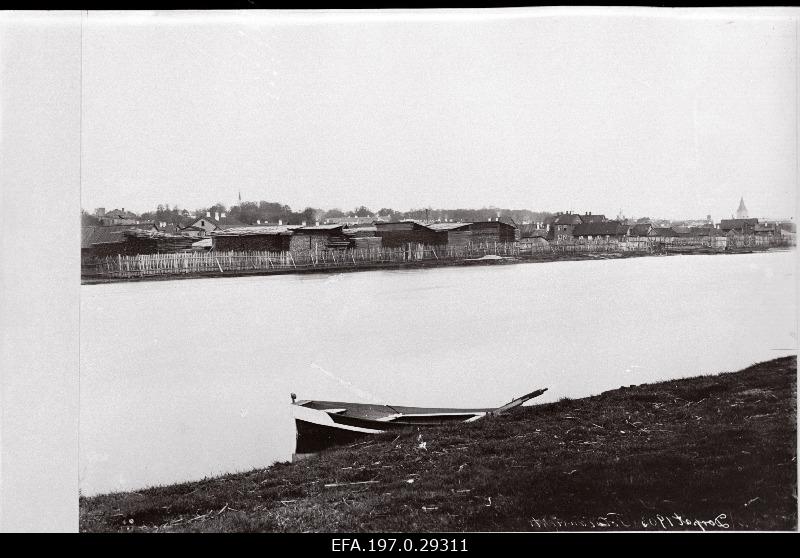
[{"x": 323, "y": 424}]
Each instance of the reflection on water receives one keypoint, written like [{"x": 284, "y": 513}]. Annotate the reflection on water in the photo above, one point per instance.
[{"x": 186, "y": 379}]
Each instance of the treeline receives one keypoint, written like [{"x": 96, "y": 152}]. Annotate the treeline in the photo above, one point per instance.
[{"x": 250, "y": 212}]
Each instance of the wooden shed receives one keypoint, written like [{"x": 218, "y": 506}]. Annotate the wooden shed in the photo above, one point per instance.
[
  {"x": 399, "y": 234},
  {"x": 107, "y": 234},
  {"x": 274, "y": 238},
  {"x": 492, "y": 231},
  {"x": 452, "y": 234},
  {"x": 318, "y": 237},
  {"x": 137, "y": 241}
]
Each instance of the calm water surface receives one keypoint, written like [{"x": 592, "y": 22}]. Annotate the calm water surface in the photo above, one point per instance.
[{"x": 186, "y": 379}]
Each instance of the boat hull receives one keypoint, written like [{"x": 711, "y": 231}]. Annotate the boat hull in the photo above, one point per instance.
[
  {"x": 313, "y": 438},
  {"x": 324, "y": 424},
  {"x": 321, "y": 428}
]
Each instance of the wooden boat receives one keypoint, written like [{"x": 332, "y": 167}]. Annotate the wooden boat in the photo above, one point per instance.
[{"x": 323, "y": 424}]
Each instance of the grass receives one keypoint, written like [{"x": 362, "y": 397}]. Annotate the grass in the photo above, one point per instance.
[{"x": 711, "y": 452}]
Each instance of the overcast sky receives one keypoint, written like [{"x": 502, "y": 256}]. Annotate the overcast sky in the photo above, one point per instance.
[{"x": 658, "y": 113}]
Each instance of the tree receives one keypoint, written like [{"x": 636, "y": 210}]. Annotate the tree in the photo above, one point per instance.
[
  {"x": 333, "y": 213},
  {"x": 88, "y": 220},
  {"x": 363, "y": 212}
]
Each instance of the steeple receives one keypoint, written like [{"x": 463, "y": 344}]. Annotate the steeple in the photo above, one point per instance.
[{"x": 741, "y": 213}]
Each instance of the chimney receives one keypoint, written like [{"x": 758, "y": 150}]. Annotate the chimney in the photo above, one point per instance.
[{"x": 123, "y": 210}]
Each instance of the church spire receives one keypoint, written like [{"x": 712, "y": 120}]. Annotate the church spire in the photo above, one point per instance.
[{"x": 741, "y": 213}]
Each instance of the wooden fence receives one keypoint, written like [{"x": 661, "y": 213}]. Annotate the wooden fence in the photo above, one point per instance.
[
  {"x": 180, "y": 263},
  {"x": 145, "y": 265}
]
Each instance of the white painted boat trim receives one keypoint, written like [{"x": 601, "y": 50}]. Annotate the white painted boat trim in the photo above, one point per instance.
[
  {"x": 391, "y": 417},
  {"x": 322, "y": 418},
  {"x": 410, "y": 415}
]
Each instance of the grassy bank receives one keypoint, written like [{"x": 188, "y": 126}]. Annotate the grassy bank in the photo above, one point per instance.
[
  {"x": 711, "y": 452},
  {"x": 90, "y": 279}
]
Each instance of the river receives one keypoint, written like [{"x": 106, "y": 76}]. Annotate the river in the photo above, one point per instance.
[{"x": 185, "y": 379}]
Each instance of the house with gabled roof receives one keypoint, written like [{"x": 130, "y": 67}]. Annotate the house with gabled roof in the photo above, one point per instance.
[
  {"x": 600, "y": 231},
  {"x": 742, "y": 226},
  {"x": 563, "y": 225},
  {"x": 200, "y": 227},
  {"x": 119, "y": 217}
]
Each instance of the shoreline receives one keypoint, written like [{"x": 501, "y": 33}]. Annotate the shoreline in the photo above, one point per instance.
[
  {"x": 423, "y": 264},
  {"x": 719, "y": 449}
]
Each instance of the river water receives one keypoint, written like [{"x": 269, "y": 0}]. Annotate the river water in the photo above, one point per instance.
[{"x": 186, "y": 379}]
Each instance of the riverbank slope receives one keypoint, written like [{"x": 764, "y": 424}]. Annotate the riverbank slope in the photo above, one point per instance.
[{"x": 704, "y": 453}]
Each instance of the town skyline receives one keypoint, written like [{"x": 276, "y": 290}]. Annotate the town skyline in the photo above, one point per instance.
[
  {"x": 675, "y": 116},
  {"x": 381, "y": 210}
]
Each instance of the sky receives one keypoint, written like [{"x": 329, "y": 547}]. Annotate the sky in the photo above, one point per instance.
[{"x": 661, "y": 113}]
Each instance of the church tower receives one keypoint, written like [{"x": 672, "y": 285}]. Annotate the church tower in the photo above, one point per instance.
[{"x": 741, "y": 213}]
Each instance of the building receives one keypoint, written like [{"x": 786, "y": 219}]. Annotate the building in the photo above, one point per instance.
[
  {"x": 200, "y": 227},
  {"x": 138, "y": 241},
  {"x": 600, "y": 231},
  {"x": 270, "y": 238},
  {"x": 662, "y": 234},
  {"x": 452, "y": 234},
  {"x": 350, "y": 220},
  {"x": 318, "y": 237},
  {"x": 740, "y": 226},
  {"x": 493, "y": 231},
  {"x": 563, "y": 225},
  {"x": 105, "y": 234},
  {"x": 399, "y": 234},
  {"x": 362, "y": 237},
  {"x": 709, "y": 236},
  {"x": 118, "y": 217},
  {"x": 589, "y": 218},
  {"x": 641, "y": 229}
]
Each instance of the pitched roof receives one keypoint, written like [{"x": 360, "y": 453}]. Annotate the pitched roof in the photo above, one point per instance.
[
  {"x": 728, "y": 224},
  {"x": 119, "y": 214},
  {"x": 447, "y": 226},
  {"x": 600, "y": 228},
  {"x": 764, "y": 227},
  {"x": 169, "y": 228},
  {"x": 331, "y": 227},
  {"x": 568, "y": 219},
  {"x": 589, "y": 218},
  {"x": 109, "y": 233},
  {"x": 663, "y": 231},
  {"x": 255, "y": 230},
  {"x": 141, "y": 233}
]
